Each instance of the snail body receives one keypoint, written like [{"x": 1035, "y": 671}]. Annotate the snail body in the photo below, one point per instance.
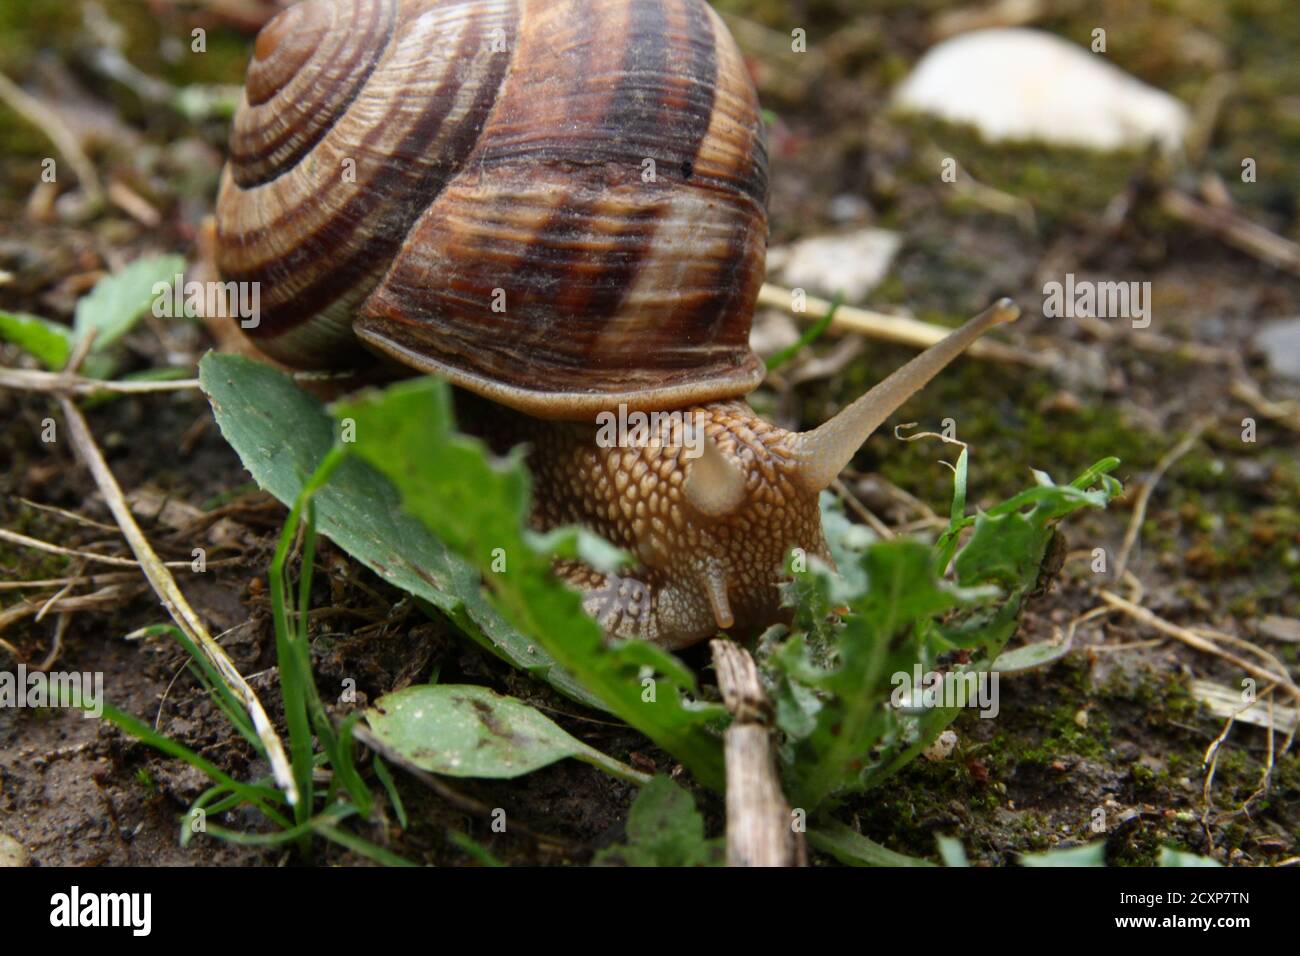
[{"x": 560, "y": 206}]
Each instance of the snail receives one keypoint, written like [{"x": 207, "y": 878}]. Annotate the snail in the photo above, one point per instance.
[{"x": 560, "y": 207}]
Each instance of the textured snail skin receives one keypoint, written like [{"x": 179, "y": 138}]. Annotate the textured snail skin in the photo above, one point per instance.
[{"x": 634, "y": 497}]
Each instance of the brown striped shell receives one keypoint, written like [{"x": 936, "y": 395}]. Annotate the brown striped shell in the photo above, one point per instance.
[{"x": 559, "y": 204}]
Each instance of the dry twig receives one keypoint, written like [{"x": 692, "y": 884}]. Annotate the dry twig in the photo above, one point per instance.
[
  {"x": 862, "y": 511},
  {"x": 1153, "y": 620},
  {"x": 1156, "y": 343},
  {"x": 62, "y": 383},
  {"x": 106, "y": 598},
  {"x": 1144, "y": 496},
  {"x": 173, "y": 599},
  {"x": 70, "y": 515},
  {"x": 98, "y": 580},
  {"x": 51, "y": 124},
  {"x": 13, "y": 537},
  {"x": 1284, "y": 413},
  {"x": 891, "y": 328},
  {"x": 759, "y": 831},
  {"x": 1234, "y": 229}
]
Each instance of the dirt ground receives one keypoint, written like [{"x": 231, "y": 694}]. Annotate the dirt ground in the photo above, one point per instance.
[{"x": 1115, "y": 725}]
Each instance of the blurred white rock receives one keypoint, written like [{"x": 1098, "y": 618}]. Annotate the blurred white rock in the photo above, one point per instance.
[
  {"x": 771, "y": 332},
  {"x": 941, "y": 747},
  {"x": 1280, "y": 342},
  {"x": 12, "y": 853},
  {"x": 852, "y": 263},
  {"x": 1019, "y": 84}
]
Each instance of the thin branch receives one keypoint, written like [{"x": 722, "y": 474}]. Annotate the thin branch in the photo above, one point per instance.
[
  {"x": 1211, "y": 762},
  {"x": 1157, "y": 343},
  {"x": 891, "y": 328},
  {"x": 104, "y": 599},
  {"x": 1284, "y": 412},
  {"x": 1149, "y": 618},
  {"x": 861, "y": 510},
  {"x": 1149, "y": 486},
  {"x": 70, "y": 515},
  {"x": 98, "y": 580},
  {"x": 45, "y": 608},
  {"x": 760, "y": 829},
  {"x": 49, "y": 122},
  {"x": 173, "y": 599},
  {"x": 60, "y": 383},
  {"x": 1266, "y": 656},
  {"x": 1234, "y": 229},
  {"x": 56, "y": 646},
  {"x": 13, "y": 537}
]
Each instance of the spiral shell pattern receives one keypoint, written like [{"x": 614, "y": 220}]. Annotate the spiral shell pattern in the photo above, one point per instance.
[{"x": 559, "y": 204}]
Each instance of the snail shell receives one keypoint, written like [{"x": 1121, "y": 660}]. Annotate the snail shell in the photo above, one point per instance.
[{"x": 559, "y": 204}]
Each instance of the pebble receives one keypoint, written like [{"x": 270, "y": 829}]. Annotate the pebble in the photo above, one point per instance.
[
  {"x": 942, "y": 746},
  {"x": 1280, "y": 343},
  {"x": 12, "y": 853},
  {"x": 851, "y": 263},
  {"x": 1019, "y": 84}
]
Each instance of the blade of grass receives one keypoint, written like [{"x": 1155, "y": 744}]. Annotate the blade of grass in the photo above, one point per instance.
[
  {"x": 291, "y": 688},
  {"x": 390, "y": 786},
  {"x": 473, "y": 848},
  {"x": 811, "y": 335},
  {"x": 360, "y": 845},
  {"x": 210, "y": 680},
  {"x": 258, "y": 796},
  {"x": 304, "y": 709},
  {"x": 852, "y": 848},
  {"x": 345, "y": 769},
  {"x": 290, "y": 834},
  {"x": 169, "y": 592}
]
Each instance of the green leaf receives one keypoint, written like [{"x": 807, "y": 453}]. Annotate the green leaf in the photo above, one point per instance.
[
  {"x": 1094, "y": 854},
  {"x": 664, "y": 829},
  {"x": 951, "y": 851},
  {"x": 264, "y": 798},
  {"x": 474, "y": 849},
  {"x": 462, "y": 730},
  {"x": 1171, "y": 857},
  {"x": 814, "y": 332},
  {"x": 1005, "y": 549},
  {"x": 853, "y": 849},
  {"x": 832, "y": 680},
  {"x": 282, "y": 434},
  {"x": 390, "y": 787},
  {"x": 947, "y": 543},
  {"x": 878, "y": 639},
  {"x": 1030, "y": 657},
  {"x": 48, "y": 342},
  {"x": 118, "y": 301},
  {"x": 478, "y": 506}
]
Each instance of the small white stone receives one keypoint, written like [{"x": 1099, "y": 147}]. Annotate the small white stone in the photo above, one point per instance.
[
  {"x": 12, "y": 853},
  {"x": 852, "y": 263},
  {"x": 771, "y": 332},
  {"x": 1280, "y": 342},
  {"x": 942, "y": 747},
  {"x": 1017, "y": 84}
]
